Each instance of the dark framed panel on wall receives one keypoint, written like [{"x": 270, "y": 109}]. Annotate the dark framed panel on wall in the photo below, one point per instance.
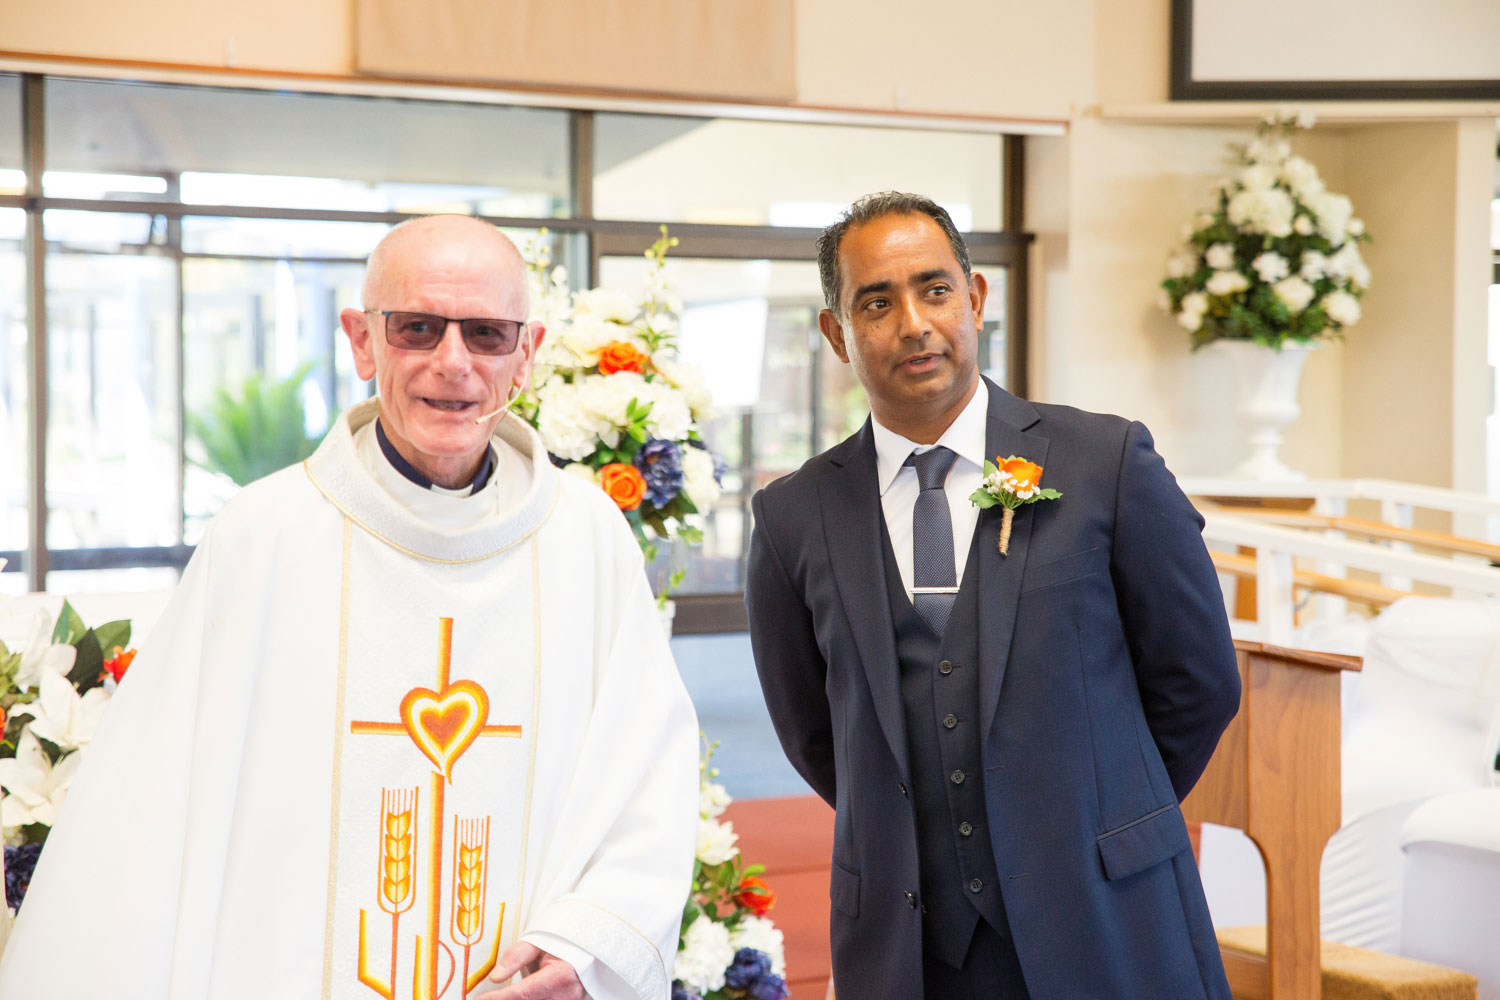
[{"x": 1366, "y": 50}]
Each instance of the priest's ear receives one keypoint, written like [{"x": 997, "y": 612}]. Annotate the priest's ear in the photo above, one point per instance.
[
  {"x": 356, "y": 324},
  {"x": 531, "y": 341}
]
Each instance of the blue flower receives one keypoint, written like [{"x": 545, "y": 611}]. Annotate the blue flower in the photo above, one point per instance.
[
  {"x": 769, "y": 987},
  {"x": 660, "y": 463},
  {"x": 749, "y": 967},
  {"x": 681, "y": 992},
  {"x": 20, "y": 862}
]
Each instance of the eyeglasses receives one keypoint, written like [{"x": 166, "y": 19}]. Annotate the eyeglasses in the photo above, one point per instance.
[{"x": 413, "y": 331}]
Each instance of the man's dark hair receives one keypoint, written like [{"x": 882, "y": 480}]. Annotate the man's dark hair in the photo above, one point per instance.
[{"x": 868, "y": 209}]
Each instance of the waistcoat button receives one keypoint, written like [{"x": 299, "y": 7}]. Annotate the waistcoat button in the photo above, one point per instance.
[
  {"x": 950, "y": 720},
  {"x": 945, "y": 667},
  {"x": 976, "y": 885},
  {"x": 958, "y": 777}
]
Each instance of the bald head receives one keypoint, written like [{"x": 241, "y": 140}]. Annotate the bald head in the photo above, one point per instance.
[{"x": 412, "y": 250}]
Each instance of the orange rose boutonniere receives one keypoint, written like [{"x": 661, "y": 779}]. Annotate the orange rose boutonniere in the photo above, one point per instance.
[
  {"x": 624, "y": 484},
  {"x": 1012, "y": 483}
]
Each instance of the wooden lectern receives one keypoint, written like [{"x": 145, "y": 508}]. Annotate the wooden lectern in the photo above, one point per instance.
[{"x": 1275, "y": 775}]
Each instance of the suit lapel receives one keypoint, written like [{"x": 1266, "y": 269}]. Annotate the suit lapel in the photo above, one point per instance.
[
  {"x": 1000, "y": 576},
  {"x": 850, "y": 503}
]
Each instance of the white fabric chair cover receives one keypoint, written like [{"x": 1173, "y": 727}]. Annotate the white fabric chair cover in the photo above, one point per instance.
[{"x": 1451, "y": 901}]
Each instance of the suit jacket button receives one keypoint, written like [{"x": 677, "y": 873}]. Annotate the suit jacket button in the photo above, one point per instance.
[
  {"x": 911, "y": 900},
  {"x": 957, "y": 777},
  {"x": 966, "y": 828},
  {"x": 976, "y": 885},
  {"x": 950, "y": 720},
  {"x": 945, "y": 667}
]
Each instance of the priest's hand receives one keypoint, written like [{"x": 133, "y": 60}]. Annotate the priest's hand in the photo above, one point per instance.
[{"x": 547, "y": 977}]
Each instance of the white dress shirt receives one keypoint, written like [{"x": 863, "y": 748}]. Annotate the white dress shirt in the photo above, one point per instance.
[{"x": 899, "y": 489}]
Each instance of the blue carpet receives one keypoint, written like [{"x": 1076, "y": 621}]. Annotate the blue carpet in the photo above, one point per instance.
[{"x": 720, "y": 676}]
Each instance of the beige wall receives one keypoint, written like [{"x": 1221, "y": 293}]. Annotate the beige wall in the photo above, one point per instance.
[{"x": 1007, "y": 58}]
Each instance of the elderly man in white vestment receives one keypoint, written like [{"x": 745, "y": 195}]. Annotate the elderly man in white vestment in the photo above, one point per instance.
[{"x": 409, "y": 726}]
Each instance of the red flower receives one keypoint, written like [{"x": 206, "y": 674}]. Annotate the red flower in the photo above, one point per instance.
[
  {"x": 755, "y": 896},
  {"x": 118, "y": 663}
]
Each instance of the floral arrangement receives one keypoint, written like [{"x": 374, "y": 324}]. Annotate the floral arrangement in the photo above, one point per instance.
[
  {"x": 1278, "y": 257},
  {"x": 1013, "y": 483},
  {"x": 614, "y": 404},
  {"x": 53, "y": 692},
  {"x": 729, "y": 949}
]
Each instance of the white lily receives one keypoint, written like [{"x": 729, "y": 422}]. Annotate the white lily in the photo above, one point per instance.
[
  {"x": 36, "y": 787},
  {"x": 60, "y": 716},
  {"x": 41, "y": 656}
]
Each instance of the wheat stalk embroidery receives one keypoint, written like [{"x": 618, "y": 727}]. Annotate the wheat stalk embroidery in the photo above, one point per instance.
[
  {"x": 397, "y": 885},
  {"x": 471, "y": 867}
]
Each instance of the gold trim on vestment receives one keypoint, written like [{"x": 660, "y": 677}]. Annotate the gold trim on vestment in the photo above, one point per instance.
[
  {"x": 338, "y": 743},
  {"x": 611, "y": 913},
  {"x": 536, "y": 713},
  {"x": 413, "y": 552}
]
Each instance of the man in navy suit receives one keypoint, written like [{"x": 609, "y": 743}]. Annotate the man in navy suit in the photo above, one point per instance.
[{"x": 1005, "y": 748}]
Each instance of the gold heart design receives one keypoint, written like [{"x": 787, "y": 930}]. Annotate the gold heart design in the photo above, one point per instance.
[{"x": 443, "y": 725}]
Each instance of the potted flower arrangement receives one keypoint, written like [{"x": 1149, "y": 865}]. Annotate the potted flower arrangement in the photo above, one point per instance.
[
  {"x": 1273, "y": 269},
  {"x": 53, "y": 691},
  {"x": 615, "y": 405},
  {"x": 729, "y": 949}
]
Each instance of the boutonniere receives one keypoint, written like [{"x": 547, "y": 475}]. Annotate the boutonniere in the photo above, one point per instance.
[{"x": 1011, "y": 484}]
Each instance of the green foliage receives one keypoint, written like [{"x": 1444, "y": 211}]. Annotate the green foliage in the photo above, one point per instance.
[{"x": 256, "y": 431}]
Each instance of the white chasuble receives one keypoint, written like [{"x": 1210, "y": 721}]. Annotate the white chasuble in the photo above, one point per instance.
[{"x": 364, "y": 751}]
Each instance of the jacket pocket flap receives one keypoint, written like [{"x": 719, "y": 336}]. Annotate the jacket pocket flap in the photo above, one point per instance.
[
  {"x": 843, "y": 890},
  {"x": 1143, "y": 843},
  {"x": 1070, "y": 567}
]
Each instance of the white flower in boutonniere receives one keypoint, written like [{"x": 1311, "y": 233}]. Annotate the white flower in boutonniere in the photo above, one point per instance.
[{"x": 1014, "y": 482}]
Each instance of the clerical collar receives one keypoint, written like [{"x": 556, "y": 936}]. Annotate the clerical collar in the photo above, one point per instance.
[{"x": 401, "y": 465}]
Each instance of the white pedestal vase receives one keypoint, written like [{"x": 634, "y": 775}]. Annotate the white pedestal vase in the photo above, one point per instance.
[{"x": 1268, "y": 381}]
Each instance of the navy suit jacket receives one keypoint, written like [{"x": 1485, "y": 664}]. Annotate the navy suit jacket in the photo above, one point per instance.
[{"x": 1107, "y": 675}]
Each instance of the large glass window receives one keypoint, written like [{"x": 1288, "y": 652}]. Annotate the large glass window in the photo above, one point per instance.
[{"x": 201, "y": 241}]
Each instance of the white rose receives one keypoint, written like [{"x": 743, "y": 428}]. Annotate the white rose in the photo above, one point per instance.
[
  {"x": 605, "y": 304},
  {"x": 1203, "y": 220},
  {"x": 1314, "y": 265},
  {"x": 581, "y": 471},
  {"x": 698, "y": 478},
  {"x": 1220, "y": 256},
  {"x": 1190, "y": 321},
  {"x": 1356, "y": 227},
  {"x": 690, "y": 381},
  {"x": 605, "y": 398},
  {"x": 1302, "y": 226},
  {"x": 712, "y": 800},
  {"x": 1271, "y": 267},
  {"x": 1195, "y": 302},
  {"x": 1258, "y": 177},
  {"x": 1333, "y": 212},
  {"x": 1294, "y": 293},
  {"x": 1360, "y": 275},
  {"x": 761, "y": 934},
  {"x": 567, "y": 428},
  {"x": 705, "y": 954},
  {"x": 670, "y": 417},
  {"x": 716, "y": 842},
  {"x": 1302, "y": 177},
  {"x": 1225, "y": 283},
  {"x": 1267, "y": 211},
  {"x": 1342, "y": 264},
  {"x": 1342, "y": 308}
]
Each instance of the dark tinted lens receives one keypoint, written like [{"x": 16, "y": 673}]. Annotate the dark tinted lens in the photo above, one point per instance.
[
  {"x": 491, "y": 336},
  {"x": 414, "y": 331}
]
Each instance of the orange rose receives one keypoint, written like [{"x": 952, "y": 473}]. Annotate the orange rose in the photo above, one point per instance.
[
  {"x": 1024, "y": 475},
  {"x": 755, "y": 896},
  {"x": 118, "y": 663},
  {"x": 621, "y": 356},
  {"x": 624, "y": 484}
]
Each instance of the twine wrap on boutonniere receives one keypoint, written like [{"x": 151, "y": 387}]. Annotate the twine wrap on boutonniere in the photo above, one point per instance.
[{"x": 1013, "y": 483}]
